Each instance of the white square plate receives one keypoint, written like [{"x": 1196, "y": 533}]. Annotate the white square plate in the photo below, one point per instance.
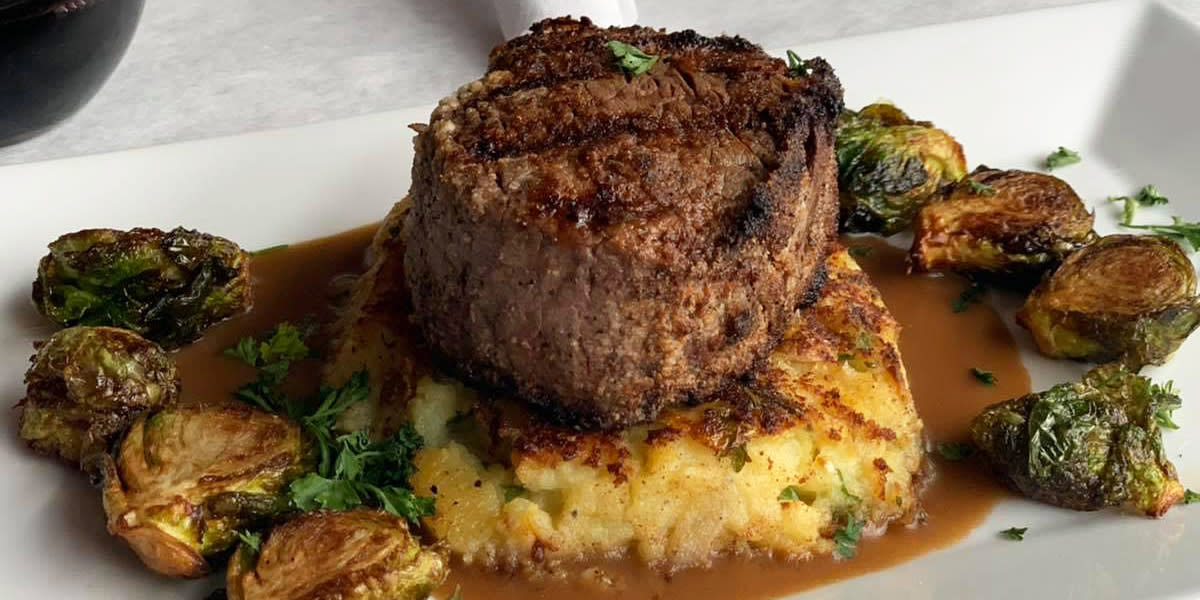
[{"x": 1116, "y": 81}]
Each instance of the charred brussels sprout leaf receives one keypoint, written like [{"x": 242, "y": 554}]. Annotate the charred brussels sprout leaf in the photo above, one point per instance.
[
  {"x": 87, "y": 384},
  {"x": 167, "y": 286},
  {"x": 352, "y": 555},
  {"x": 1086, "y": 445},
  {"x": 1128, "y": 298},
  {"x": 889, "y": 166},
  {"x": 1012, "y": 235},
  {"x": 185, "y": 481}
]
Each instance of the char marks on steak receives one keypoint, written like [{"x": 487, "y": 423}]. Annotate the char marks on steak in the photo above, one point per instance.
[{"x": 604, "y": 245}]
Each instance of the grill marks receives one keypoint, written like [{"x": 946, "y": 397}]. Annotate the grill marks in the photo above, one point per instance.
[
  {"x": 557, "y": 98},
  {"x": 604, "y": 245}
]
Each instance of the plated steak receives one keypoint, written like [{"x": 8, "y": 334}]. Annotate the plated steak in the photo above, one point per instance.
[{"x": 606, "y": 244}]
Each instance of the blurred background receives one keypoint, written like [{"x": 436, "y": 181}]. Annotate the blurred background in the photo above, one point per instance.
[{"x": 221, "y": 67}]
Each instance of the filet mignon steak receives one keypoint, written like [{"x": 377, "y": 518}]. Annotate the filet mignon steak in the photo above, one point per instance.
[{"x": 605, "y": 244}]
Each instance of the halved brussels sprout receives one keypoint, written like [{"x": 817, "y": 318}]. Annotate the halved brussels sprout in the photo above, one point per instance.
[
  {"x": 167, "y": 286},
  {"x": 352, "y": 555},
  {"x": 1126, "y": 297},
  {"x": 1086, "y": 445},
  {"x": 889, "y": 166},
  {"x": 87, "y": 384},
  {"x": 1011, "y": 226},
  {"x": 186, "y": 479}
]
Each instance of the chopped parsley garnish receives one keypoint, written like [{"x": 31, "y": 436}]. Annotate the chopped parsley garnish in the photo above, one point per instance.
[
  {"x": 984, "y": 377},
  {"x": 1128, "y": 211},
  {"x": 980, "y": 189},
  {"x": 860, "y": 251},
  {"x": 1061, "y": 158},
  {"x": 512, "y": 492},
  {"x": 797, "y": 67},
  {"x": 738, "y": 457},
  {"x": 250, "y": 539},
  {"x": 1015, "y": 534},
  {"x": 954, "y": 451},
  {"x": 846, "y": 538},
  {"x": 1147, "y": 196},
  {"x": 273, "y": 358},
  {"x": 1190, "y": 497},
  {"x": 1150, "y": 196},
  {"x": 1179, "y": 230},
  {"x": 865, "y": 341},
  {"x": 352, "y": 470},
  {"x": 270, "y": 249},
  {"x": 845, "y": 491},
  {"x": 630, "y": 58},
  {"x": 793, "y": 493},
  {"x": 972, "y": 295},
  {"x": 1163, "y": 415}
]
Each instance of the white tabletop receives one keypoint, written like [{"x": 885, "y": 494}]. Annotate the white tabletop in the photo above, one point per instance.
[{"x": 221, "y": 67}]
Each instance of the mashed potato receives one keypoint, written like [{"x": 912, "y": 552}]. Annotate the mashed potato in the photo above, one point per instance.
[{"x": 829, "y": 419}]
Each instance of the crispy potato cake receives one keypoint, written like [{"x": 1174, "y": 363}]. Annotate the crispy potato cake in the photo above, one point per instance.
[{"x": 829, "y": 418}]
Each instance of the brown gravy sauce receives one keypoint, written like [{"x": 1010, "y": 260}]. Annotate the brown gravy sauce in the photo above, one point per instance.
[{"x": 938, "y": 346}]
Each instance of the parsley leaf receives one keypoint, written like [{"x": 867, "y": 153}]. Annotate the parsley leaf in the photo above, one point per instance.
[
  {"x": 954, "y": 450},
  {"x": 1190, "y": 497},
  {"x": 1150, "y": 196},
  {"x": 793, "y": 493},
  {"x": 1147, "y": 196},
  {"x": 273, "y": 357},
  {"x": 1128, "y": 211},
  {"x": 738, "y": 457},
  {"x": 972, "y": 295},
  {"x": 630, "y": 58},
  {"x": 1164, "y": 412},
  {"x": 352, "y": 470},
  {"x": 980, "y": 189},
  {"x": 846, "y": 538},
  {"x": 1179, "y": 230},
  {"x": 1061, "y": 158},
  {"x": 846, "y": 491},
  {"x": 797, "y": 67},
  {"x": 859, "y": 251},
  {"x": 512, "y": 492},
  {"x": 1015, "y": 534},
  {"x": 985, "y": 377},
  {"x": 250, "y": 539}
]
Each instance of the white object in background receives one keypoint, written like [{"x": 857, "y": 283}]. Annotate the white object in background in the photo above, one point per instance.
[{"x": 517, "y": 15}]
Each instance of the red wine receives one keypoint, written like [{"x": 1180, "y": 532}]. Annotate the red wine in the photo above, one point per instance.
[{"x": 54, "y": 56}]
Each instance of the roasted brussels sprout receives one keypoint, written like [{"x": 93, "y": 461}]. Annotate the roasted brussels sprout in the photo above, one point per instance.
[
  {"x": 167, "y": 286},
  {"x": 1086, "y": 445},
  {"x": 87, "y": 384},
  {"x": 1009, "y": 226},
  {"x": 185, "y": 480},
  {"x": 352, "y": 555},
  {"x": 889, "y": 166},
  {"x": 1125, "y": 297}
]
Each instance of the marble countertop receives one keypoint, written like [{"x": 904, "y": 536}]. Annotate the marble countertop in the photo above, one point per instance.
[{"x": 222, "y": 67}]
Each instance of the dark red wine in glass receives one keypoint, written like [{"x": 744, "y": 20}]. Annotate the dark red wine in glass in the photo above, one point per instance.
[{"x": 54, "y": 56}]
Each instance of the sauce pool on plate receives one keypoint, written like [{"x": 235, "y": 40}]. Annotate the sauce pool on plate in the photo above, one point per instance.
[{"x": 938, "y": 345}]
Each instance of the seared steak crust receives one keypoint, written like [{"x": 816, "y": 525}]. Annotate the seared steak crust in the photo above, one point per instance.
[{"x": 606, "y": 245}]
